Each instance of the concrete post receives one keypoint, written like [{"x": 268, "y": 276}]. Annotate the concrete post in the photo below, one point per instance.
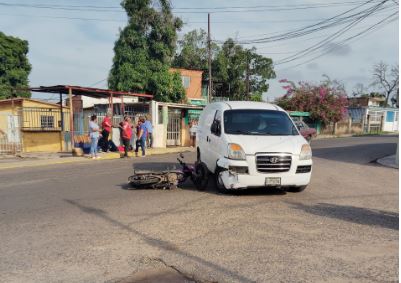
[
  {"x": 71, "y": 119},
  {"x": 349, "y": 126},
  {"x": 165, "y": 123}
]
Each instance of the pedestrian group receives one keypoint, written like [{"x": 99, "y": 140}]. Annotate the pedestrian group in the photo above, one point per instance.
[{"x": 140, "y": 135}]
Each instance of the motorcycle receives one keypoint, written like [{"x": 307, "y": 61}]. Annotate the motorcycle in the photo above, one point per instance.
[{"x": 170, "y": 179}]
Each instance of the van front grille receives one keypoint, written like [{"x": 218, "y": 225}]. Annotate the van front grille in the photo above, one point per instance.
[{"x": 273, "y": 163}]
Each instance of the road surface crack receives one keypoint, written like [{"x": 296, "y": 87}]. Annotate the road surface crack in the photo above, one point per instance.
[{"x": 187, "y": 276}]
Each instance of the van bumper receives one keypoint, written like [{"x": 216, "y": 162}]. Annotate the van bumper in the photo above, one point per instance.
[{"x": 253, "y": 179}]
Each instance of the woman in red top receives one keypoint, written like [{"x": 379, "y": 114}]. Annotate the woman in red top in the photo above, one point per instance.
[{"x": 126, "y": 134}]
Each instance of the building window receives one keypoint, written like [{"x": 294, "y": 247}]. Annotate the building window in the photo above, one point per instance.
[
  {"x": 47, "y": 122},
  {"x": 186, "y": 81}
]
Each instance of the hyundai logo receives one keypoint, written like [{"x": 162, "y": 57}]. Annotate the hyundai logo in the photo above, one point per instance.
[{"x": 274, "y": 159}]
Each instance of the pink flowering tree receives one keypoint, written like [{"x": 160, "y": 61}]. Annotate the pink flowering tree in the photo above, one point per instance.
[{"x": 326, "y": 101}]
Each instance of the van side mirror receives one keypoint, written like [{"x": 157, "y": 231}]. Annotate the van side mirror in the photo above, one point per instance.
[{"x": 216, "y": 128}]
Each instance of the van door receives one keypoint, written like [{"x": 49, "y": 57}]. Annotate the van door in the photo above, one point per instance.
[{"x": 215, "y": 141}]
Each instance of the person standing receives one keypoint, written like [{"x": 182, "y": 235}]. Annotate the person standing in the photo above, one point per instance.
[
  {"x": 126, "y": 134},
  {"x": 192, "y": 131},
  {"x": 94, "y": 136},
  {"x": 106, "y": 125},
  {"x": 141, "y": 136},
  {"x": 149, "y": 128}
]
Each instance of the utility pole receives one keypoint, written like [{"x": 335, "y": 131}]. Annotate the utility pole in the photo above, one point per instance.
[
  {"x": 247, "y": 75},
  {"x": 209, "y": 97}
]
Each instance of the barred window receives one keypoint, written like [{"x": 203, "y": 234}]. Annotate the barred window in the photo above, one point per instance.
[{"x": 47, "y": 122}]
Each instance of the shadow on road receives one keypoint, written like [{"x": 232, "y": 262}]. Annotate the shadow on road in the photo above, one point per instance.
[
  {"x": 359, "y": 215},
  {"x": 158, "y": 243},
  {"x": 362, "y": 154}
]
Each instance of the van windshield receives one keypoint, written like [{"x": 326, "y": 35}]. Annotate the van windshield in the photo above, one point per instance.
[{"x": 258, "y": 122}]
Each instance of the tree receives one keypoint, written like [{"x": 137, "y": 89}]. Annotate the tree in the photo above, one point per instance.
[
  {"x": 14, "y": 67},
  {"x": 359, "y": 90},
  {"x": 145, "y": 49},
  {"x": 386, "y": 79},
  {"x": 326, "y": 101},
  {"x": 241, "y": 73},
  {"x": 193, "y": 52}
]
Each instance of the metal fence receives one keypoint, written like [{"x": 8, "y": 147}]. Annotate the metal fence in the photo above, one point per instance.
[{"x": 44, "y": 119}]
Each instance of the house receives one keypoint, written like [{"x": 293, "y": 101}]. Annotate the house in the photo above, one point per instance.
[
  {"x": 195, "y": 89},
  {"x": 366, "y": 101},
  {"x": 31, "y": 125},
  {"x": 375, "y": 119}
]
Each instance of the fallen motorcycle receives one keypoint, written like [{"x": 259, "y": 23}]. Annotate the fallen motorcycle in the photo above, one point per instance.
[{"x": 170, "y": 179}]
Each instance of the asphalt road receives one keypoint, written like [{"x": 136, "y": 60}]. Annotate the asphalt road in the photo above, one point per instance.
[{"x": 79, "y": 223}]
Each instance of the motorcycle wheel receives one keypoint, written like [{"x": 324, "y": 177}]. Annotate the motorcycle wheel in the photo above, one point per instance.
[
  {"x": 201, "y": 176},
  {"x": 142, "y": 180}
]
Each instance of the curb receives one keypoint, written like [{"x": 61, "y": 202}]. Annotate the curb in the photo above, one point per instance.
[
  {"x": 388, "y": 161},
  {"x": 107, "y": 156}
]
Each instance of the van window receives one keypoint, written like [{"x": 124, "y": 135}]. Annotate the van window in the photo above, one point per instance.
[
  {"x": 258, "y": 122},
  {"x": 216, "y": 125}
]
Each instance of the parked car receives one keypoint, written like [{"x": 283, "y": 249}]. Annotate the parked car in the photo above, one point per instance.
[
  {"x": 252, "y": 144},
  {"x": 307, "y": 132}
]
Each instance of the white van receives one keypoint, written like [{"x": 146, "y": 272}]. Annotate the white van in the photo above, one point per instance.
[{"x": 252, "y": 144}]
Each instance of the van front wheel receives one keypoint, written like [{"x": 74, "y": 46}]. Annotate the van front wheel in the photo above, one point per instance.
[{"x": 221, "y": 188}]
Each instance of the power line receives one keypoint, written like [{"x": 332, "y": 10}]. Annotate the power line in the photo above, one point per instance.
[
  {"x": 267, "y": 34},
  {"x": 328, "y": 23},
  {"x": 328, "y": 39},
  {"x": 188, "y": 10},
  {"x": 98, "y": 82},
  {"x": 64, "y": 18},
  {"x": 391, "y": 18},
  {"x": 324, "y": 4}
]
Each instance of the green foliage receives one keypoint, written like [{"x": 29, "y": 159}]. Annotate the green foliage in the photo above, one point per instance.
[
  {"x": 235, "y": 66},
  {"x": 145, "y": 49},
  {"x": 326, "y": 101},
  {"x": 14, "y": 66},
  {"x": 256, "y": 97},
  {"x": 193, "y": 52},
  {"x": 166, "y": 82},
  {"x": 231, "y": 66}
]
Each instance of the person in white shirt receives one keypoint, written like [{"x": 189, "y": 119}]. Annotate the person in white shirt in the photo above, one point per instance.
[{"x": 192, "y": 132}]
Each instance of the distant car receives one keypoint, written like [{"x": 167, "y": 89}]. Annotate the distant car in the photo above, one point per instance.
[{"x": 307, "y": 132}]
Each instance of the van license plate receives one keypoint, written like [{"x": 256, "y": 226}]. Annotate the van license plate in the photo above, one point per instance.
[{"x": 273, "y": 181}]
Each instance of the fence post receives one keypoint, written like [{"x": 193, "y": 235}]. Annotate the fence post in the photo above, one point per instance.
[
  {"x": 71, "y": 118},
  {"x": 334, "y": 128},
  {"x": 349, "y": 125}
]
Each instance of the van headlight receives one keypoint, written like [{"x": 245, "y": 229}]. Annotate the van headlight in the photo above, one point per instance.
[
  {"x": 236, "y": 152},
  {"x": 306, "y": 152}
]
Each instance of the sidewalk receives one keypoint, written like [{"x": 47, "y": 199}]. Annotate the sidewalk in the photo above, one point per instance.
[{"x": 42, "y": 159}]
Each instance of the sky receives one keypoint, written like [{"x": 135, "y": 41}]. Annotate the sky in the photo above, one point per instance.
[{"x": 75, "y": 46}]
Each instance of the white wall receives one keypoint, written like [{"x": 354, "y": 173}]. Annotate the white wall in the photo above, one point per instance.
[
  {"x": 89, "y": 101},
  {"x": 390, "y": 126}
]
